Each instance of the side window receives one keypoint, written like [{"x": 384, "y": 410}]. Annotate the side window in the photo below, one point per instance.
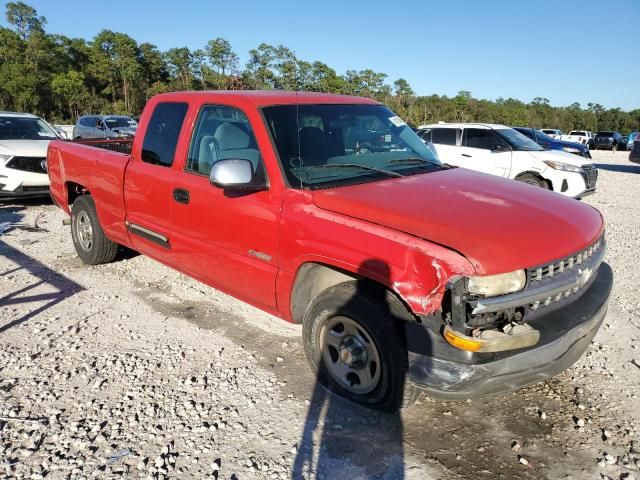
[
  {"x": 479, "y": 138},
  {"x": 444, "y": 136},
  {"x": 222, "y": 133},
  {"x": 162, "y": 133},
  {"x": 86, "y": 121}
]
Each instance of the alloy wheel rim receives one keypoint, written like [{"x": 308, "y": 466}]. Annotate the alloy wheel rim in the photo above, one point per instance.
[{"x": 84, "y": 231}]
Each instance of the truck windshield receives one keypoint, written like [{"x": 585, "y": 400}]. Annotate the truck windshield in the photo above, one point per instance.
[
  {"x": 21, "y": 128},
  {"x": 604, "y": 134},
  {"x": 517, "y": 141},
  {"x": 334, "y": 145},
  {"x": 119, "y": 122},
  {"x": 578, "y": 133}
]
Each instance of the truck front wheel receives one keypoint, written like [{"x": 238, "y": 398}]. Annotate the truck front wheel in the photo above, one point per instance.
[
  {"x": 89, "y": 240},
  {"x": 354, "y": 343}
]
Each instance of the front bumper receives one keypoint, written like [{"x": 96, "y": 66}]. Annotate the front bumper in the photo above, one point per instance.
[
  {"x": 19, "y": 183},
  {"x": 451, "y": 374}
]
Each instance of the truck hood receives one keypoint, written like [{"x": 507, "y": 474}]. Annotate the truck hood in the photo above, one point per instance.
[
  {"x": 559, "y": 156},
  {"x": 499, "y": 225},
  {"x": 24, "y": 148}
]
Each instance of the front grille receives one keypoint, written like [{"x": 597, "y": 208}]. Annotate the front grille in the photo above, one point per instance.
[
  {"x": 590, "y": 173},
  {"x": 548, "y": 271},
  {"x": 34, "y": 189},
  {"x": 27, "y": 164}
]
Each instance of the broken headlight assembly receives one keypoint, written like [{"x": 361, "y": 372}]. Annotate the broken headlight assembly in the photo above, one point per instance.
[{"x": 494, "y": 285}]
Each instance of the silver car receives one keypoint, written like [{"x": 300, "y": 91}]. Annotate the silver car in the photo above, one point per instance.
[{"x": 105, "y": 126}]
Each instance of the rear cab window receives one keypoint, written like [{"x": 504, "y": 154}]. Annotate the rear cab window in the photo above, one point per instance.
[{"x": 163, "y": 130}]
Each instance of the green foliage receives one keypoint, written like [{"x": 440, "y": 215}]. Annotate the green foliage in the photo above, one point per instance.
[{"x": 61, "y": 78}]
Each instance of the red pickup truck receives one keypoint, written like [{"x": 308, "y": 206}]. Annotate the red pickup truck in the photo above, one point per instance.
[{"x": 403, "y": 271}]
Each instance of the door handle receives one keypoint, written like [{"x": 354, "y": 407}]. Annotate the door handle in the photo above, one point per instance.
[
  {"x": 181, "y": 195},
  {"x": 466, "y": 155}
]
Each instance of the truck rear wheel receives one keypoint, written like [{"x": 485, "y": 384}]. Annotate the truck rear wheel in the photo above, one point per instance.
[
  {"x": 354, "y": 342},
  {"x": 89, "y": 240}
]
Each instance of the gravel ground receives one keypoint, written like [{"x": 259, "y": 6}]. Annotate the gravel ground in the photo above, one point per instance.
[{"x": 133, "y": 370}]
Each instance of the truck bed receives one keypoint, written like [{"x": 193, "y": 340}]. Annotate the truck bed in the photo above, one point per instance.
[{"x": 98, "y": 167}]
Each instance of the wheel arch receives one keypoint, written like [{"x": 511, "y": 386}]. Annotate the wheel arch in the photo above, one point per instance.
[
  {"x": 537, "y": 175},
  {"x": 312, "y": 278},
  {"x": 75, "y": 190}
]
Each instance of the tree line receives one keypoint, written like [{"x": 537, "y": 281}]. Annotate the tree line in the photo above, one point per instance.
[{"x": 61, "y": 78}]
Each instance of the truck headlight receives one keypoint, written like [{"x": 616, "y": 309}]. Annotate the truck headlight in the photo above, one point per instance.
[
  {"x": 570, "y": 149},
  {"x": 565, "y": 167},
  {"x": 5, "y": 158},
  {"x": 494, "y": 285}
]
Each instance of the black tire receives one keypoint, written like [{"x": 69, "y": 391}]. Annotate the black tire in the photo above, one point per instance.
[
  {"x": 379, "y": 315},
  {"x": 89, "y": 240},
  {"x": 534, "y": 180}
]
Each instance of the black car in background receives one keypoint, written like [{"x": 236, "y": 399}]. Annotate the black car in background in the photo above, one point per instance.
[
  {"x": 634, "y": 155},
  {"x": 549, "y": 143},
  {"x": 608, "y": 140}
]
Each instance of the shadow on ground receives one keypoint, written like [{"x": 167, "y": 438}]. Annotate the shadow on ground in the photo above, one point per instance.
[
  {"x": 45, "y": 285},
  {"x": 616, "y": 167}
]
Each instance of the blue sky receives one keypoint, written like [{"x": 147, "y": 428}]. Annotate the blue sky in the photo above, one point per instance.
[{"x": 563, "y": 50}]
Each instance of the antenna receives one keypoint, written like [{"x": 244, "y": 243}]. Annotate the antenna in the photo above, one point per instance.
[{"x": 295, "y": 72}]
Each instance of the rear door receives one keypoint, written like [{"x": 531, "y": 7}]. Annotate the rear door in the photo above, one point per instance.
[
  {"x": 482, "y": 150},
  {"x": 225, "y": 238},
  {"x": 445, "y": 141},
  {"x": 149, "y": 179}
]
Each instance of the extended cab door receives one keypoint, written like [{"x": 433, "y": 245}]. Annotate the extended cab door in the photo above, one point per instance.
[
  {"x": 482, "y": 150},
  {"x": 226, "y": 238},
  {"x": 148, "y": 181}
]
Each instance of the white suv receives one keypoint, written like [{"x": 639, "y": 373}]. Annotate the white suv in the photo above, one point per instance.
[
  {"x": 24, "y": 139},
  {"x": 502, "y": 151}
]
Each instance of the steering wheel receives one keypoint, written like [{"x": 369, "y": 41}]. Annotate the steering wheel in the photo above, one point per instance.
[{"x": 363, "y": 148}]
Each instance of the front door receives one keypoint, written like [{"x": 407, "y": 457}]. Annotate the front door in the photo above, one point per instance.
[
  {"x": 227, "y": 239},
  {"x": 482, "y": 150}
]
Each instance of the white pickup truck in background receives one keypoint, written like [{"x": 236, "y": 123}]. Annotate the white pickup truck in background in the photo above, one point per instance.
[{"x": 585, "y": 137}]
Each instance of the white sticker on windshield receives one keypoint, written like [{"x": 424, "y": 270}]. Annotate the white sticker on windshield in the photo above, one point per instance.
[
  {"x": 397, "y": 121},
  {"x": 46, "y": 135}
]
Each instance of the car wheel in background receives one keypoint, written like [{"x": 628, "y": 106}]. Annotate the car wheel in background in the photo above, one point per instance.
[{"x": 533, "y": 180}]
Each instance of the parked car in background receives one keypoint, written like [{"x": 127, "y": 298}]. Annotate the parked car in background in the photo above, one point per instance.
[
  {"x": 634, "y": 155},
  {"x": 552, "y": 132},
  {"x": 631, "y": 138},
  {"x": 584, "y": 137},
  {"x": 24, "y": 139},
  {"x": 608, "y": 140},
  {"x": 503, "y": 151},
  {"x": 105, "y": 126},
  {"x": 549, "y": 143},
  {"x": 402, "y": 272}
]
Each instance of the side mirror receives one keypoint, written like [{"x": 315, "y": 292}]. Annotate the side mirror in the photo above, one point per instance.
[
  {"x": 234, "y": 174},
  {"x": 499, "y": 147},
  {"x": 100, "y": 126}
]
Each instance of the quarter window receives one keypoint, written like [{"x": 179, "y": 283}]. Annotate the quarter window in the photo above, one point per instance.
[
  {"x": 162, "y": 133},
  {"x": 222, "y": 133}
]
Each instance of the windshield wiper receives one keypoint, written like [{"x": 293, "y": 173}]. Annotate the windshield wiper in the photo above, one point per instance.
[
  {"x": 410, "y": 160},
  {"x": 357, "y": 165}
]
